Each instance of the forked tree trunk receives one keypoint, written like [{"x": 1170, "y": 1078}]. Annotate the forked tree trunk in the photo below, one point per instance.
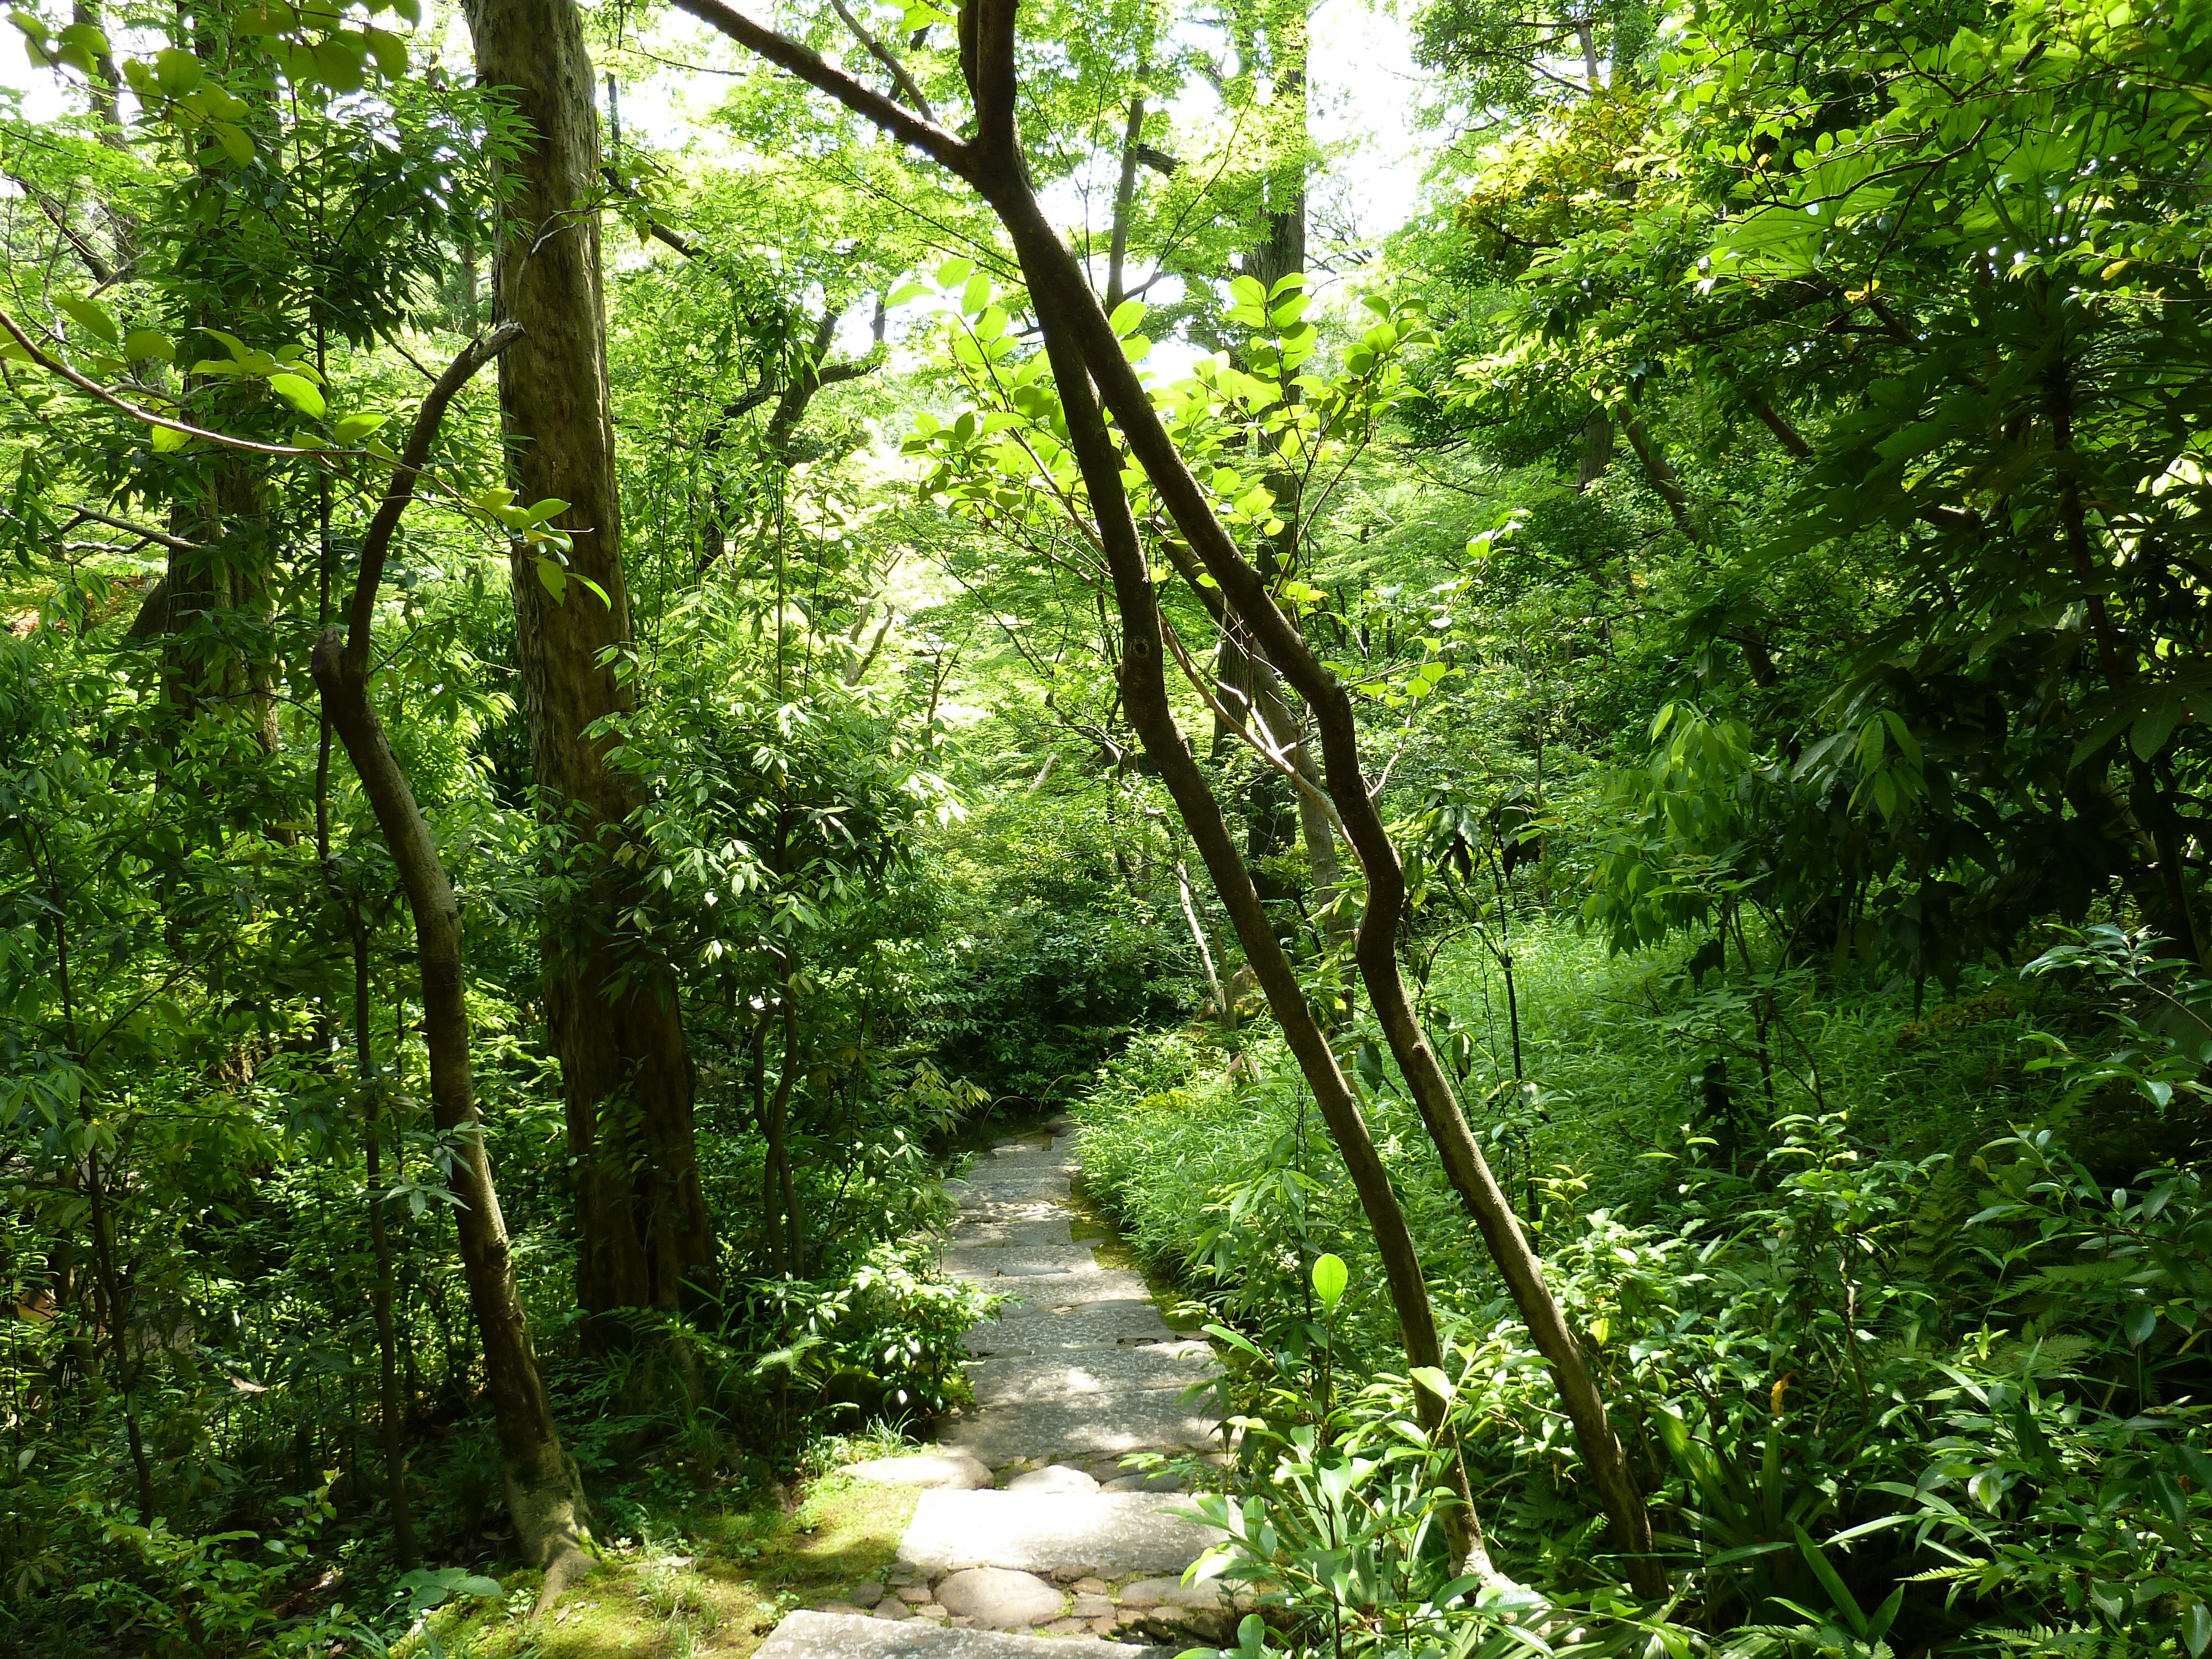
[
  {"x": 1082, "y": 347},
  {"x": 543, "y": 1496},
  {"x": 644, "y": 1240},
  {"x": 1143, "y": 697}
]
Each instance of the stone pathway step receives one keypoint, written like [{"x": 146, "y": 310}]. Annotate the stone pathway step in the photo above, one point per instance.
[
  {"x": 1124, "y": 1420},
  {"x": 1044, "y": 1293},
  {"x": 1108, "y": 1533},
  {"x": 1098, "y": 1325},
  {"x": 855, "y": 1636},
  {"x": 1101, "y": 1370},
  {"x": 1077, "y": 1371},
  {"x": 975, "y": 1259}
]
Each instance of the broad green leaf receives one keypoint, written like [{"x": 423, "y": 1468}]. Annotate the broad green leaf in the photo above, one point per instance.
[
  {"x": 167, "y": 441},
  {"x": 2153, "y": 728},
  {"x": 975, "y": 295},
  {"x": 352, "y": 429},
  {"x": 94, "y": 319},
  {"x": 234, "y": 141},
  {"x": 1126, "y": 316},
  {"x": 1330, "y": 1276},
  {"x": 177, "y": 71},
  {"x": 1434, "y": 1381},
  {"x": 1248, "y": 291},
  {"x": 389, "y": 50},
  {"x": 538, "y": 512},
  {"x": 954, "y": 271},
  {"x": 2197, "y": 1629},
  {"x": 300, "y": 393},
  {"x": 266, "y": 17},
  {"x": 555, "y": 578}
]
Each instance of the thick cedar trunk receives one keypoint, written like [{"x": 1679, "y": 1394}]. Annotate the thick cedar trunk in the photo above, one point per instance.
[
  {"x": 543, "y": 1497},
  {"x": 644, "y": 1240}
]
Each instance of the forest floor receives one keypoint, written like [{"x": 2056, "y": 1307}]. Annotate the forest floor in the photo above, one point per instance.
[{"x": 1058, "y": 1409}]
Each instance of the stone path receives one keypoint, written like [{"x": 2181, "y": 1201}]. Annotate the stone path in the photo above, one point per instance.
[{"x": 1029, "y": 1539}]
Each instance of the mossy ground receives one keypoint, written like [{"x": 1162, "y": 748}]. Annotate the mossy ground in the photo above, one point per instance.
[{"x": 709, "y": 1581}]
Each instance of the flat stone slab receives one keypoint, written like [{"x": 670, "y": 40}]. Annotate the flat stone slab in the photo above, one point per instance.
[
  {"x": 953, "y": 1470},
  {"x": 1043, "y": 1292},
  {"x": 991, "y": 1212},
  {"x": 1023, "y": 1261},
  {"x": 851, "y": 1636},
  {"x": 1106, "y": 1533},
  {"x": 1165, "y": 1365},
  {"x": 1055, "y": 1477},
  {"x": 1137, "y": 1419},
  {"x": 1010, "y": 1185},
  {"x": 1029, "y": 1232},
  {"x": 997, "y": 1598},
  {"x": 1099, "y": 1325}
]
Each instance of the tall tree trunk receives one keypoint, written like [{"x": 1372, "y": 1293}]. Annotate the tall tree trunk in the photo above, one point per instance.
[
  {"x": 1082, "y": 346},
  {"x": 644, "y": 1241},
  {"x": 543, "y": 1497},
  {"x": 1144, "y": 696},
  {"x": 391, "y": 1423}
]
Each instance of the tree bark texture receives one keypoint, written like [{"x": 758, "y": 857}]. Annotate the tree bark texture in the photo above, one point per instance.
[
  {"x": 644, "y": 1240},
  {"x": 543, "y": 1495}
]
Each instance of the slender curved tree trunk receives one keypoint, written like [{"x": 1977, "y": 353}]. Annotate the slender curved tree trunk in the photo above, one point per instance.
[
  {"x": 1084, "y": 349},
  {"x": 544, "y": 1496},
  {"x": 644, "y": 1240}
]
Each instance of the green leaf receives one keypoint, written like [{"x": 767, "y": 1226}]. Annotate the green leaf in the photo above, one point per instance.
[
  {"x": 94, "y": 319},
  {"x": 148, "y": 345},
  {"x": 538, "y": 512},
  {"x": 266, "y": 17},
  {"x": 1434, "y": 1381},
  {"x": 555, "y": 578},
  {"x": 2153, "y": 728},
  {"x": 82, "y": 45},
  {"x": 389, "y": 50},
  {"x": 300, "y": 393},
  {"x": 167, "y": 441},
  {"x": 2140, "y": 1321},
  {"x": 1330, "y": 1276},
  {"x": 2197, "y": 1628},
  {"x": 1126, "y": 316},
  {"x": 975, "y": 295},
  {"x": 234, "y": 141},
  {"x": 177, "y": 71},
  {"x": 1248, "y": 291},
  {"x": 1830, "y": 1581},
  {"x": 954, "y": 271},
  {"x": 352, "y": 429}
]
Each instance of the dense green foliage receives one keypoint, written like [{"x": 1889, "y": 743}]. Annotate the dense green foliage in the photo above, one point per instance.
[{"x": 1758, "y": 504}]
